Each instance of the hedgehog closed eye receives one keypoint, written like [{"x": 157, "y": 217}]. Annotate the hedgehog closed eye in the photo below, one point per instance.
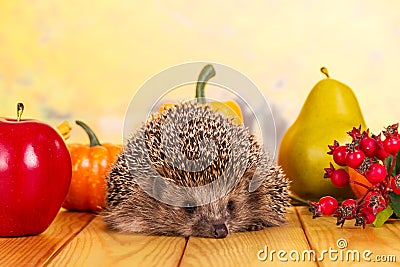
[{"x": 231, "y": 205}]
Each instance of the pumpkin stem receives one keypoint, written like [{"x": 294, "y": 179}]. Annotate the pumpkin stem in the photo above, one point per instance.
[
  {"x": 206, "y": 74},
  {"x": 94, "y": 141},
  {"x": 20, "y": 110}
]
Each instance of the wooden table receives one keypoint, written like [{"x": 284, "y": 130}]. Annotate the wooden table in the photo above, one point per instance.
[{"x": 80, "y": 239}]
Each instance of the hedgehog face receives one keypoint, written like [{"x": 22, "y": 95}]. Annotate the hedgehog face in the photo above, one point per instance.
[
  {"x": 199, "y": 212},
  {"x": 240, "y": 210},
  {"x": 211, "y": 220}
]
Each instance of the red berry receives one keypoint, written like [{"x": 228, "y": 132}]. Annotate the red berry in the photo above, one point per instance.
[
  {"x": 369, "y": 217},
  {"x": 349, "y": 202},
  {"x": 327, "y": 205},
  {"x": 348, "y": 208},
  {"x": 380, "y": 152},
  {"x": 339, "y": 155},
  {"x": 391, "y": 130},
  {"x": 364, "y": 217},
  {"x": 314, "y": 209},
  {"x": 376, "y": 173},
  {"x": 392, "y": 145},
  {"x": 395, "y": 184},
  {"x": 340, "y": 178},
  {"x": 347, "y": 211},
  {"x": 375, "y": 202},
  {"x": 355, "y": 158},
  {"x": 369, "y": 146},
  {"x": 355, "y": 133}
]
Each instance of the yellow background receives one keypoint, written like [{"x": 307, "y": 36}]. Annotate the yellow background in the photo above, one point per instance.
[{"x": 85, "y": 59}]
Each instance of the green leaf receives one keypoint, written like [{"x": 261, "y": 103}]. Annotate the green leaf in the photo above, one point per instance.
[
  {"x": 397, "y": 167},
  {"x": 395, "y": 198},
  {"x": 388, "y": 163},
  {"x": 383, "y": 216}
]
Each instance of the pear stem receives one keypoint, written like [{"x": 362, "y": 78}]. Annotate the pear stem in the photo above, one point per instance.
[{"x": 324, "y": 70}]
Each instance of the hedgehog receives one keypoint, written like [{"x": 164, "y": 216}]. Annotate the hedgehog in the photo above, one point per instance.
[{"x": 191, "y": 171}]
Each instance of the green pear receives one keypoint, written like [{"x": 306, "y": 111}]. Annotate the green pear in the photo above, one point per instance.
[{"x": 330, "y": 110}]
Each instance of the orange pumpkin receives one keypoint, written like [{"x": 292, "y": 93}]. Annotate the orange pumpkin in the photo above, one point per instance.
[
  {"x": 90, "y": 165},
  {"x": 358, "y": 190}
]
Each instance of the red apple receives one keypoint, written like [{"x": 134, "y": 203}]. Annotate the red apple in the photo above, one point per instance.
[{"x": 35, "y": 174}]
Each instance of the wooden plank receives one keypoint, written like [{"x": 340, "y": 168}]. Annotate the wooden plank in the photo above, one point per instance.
[
  {"x": 36, "y": 250},
  {"x": 97, "y": 246},
  {"x": 323, "y": 234},
  {"x": 241, "y": 249}
]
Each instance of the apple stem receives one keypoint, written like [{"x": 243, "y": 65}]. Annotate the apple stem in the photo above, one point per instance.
[
  {"x": 206, "y": 74},
  {"x": 324, "y": 70},
  {"x": 20, "y": 110}
]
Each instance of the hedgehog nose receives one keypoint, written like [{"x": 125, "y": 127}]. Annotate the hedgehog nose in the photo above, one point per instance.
[{"x": 220, "y": 231}]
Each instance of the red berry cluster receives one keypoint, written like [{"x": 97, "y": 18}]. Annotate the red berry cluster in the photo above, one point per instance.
[{"x": 368, "y": 155}]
